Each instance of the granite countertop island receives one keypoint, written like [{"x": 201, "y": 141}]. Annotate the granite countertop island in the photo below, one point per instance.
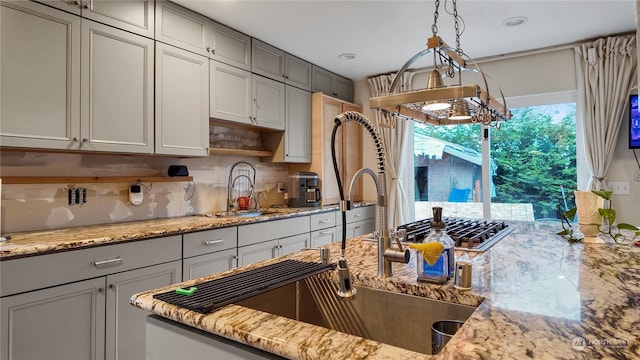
[{"x": 537, "y": 296}]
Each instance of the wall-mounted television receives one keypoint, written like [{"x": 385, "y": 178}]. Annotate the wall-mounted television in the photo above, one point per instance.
[{"x": 634, "y": 123}]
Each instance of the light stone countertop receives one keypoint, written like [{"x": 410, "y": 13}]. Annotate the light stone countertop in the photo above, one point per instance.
[
  {"x": 49, "y": 241},
  {"x": 537, "y": 296}
]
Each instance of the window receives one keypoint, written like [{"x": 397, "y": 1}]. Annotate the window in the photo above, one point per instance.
[{"x": 531, "y": 166}]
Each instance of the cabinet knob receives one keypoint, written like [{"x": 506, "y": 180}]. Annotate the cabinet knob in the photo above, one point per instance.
[
  {"x": 100, "y": 290},
  {"x": 112, "y": 286},
  {"x": 75, "y": 139},
  {"x": 85, "y": 7},
  {"x": 85, "y": 140}
]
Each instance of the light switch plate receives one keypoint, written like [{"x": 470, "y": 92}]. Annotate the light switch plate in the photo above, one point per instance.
[
  {"x": 619, "y": 187},
  {"x": 637, "y": 178}
]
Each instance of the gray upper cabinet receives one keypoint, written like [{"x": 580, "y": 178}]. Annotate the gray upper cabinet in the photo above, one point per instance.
[
  {"x": 268, "y": 102},
  {"x": 40, "y": 104},
  {"x": 294, "y": 144},
  {"x": 298, "y": 72},
  {"x": 43, "y": 106},
  {"x": 136, "y": 16},
  {"x": 182, "y": 28},
  {"x": 117, "y": 84},
  {"x": 230, "y": 46},
  {"x": 182, "y": 102},
  {"x": 297, "y": 145},
  {"x": 267, "y": 60},
  {"x": 230, "y": 93},
  {"x": 326, "y": 82}
]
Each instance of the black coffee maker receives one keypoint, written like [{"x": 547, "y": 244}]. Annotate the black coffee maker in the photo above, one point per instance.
[{"x": 304, "y": 190}]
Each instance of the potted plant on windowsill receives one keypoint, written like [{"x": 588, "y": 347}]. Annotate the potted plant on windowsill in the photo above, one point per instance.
[{"x": 605, "y": 223}]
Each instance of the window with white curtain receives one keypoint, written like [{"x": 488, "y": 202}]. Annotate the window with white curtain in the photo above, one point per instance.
[{"x": 532, "y": 167}]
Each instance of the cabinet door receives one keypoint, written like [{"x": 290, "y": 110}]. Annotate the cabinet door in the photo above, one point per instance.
[
  {"x": 323, "y": 237},
  {"x": 258, "y": 252},
  {"x": 292, "y": 244},
  {"x": 343, "y": 88},
  {"x": 322, "y": 81},
  {"x": 40, "y": 74},
  {"x": 117, "y": 90},
  {"x": 362, "y": 227},
  {"x": 297, "y": 72},
  {"x": 230, "y": 46},
  {"x": 135, "y": 16},
  {"x": 125, "y": 324},
  {"x": 298, "y": 125},
  {"x": 181, "y": 27},
  {"x": 72, "y": 6},
  {"x": 268, "y": 102},
  {"x": 330, "y": 195},
  {"x": 62, "y": 322},
  {"x": 230, "y": 93},
  {"x": 267, "y": 60},
  {"x": 182, "y": 102},
  {"x": 199, "y": 266}
]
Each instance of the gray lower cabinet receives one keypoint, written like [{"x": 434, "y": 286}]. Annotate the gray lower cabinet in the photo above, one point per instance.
[
  {"x": 360, "y": 221},
  {"x": 323, "y": 237},
  {"x": 203, "y": 265},
  {"x": 63, "y": 322},
  {"x": 75, "y": 304},
  {"x": 169, "y": 340},
  {"x": 125, "y": 336},
  {"x": 210, "y": 251},
  {"x": 284, "y": 237}
]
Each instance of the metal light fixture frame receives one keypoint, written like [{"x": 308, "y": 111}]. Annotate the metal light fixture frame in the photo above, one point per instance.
[{"x": 484, "y": 108}]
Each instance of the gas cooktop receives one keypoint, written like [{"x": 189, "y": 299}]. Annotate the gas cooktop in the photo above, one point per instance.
[{"x": 468, "y": 234}]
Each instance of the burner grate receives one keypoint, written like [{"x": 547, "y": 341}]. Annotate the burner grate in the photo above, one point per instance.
[{"x": 468, "y": 234}]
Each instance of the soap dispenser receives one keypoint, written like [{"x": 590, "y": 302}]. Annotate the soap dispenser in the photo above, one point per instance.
[{"x": 443, "y": 268}]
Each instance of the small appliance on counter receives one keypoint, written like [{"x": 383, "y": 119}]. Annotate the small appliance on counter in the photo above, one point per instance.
[{"x": 304, "y": 190}]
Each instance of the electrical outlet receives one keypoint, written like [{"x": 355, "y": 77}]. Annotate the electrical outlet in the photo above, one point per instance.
[
  {"x": 281, "y": 188},
  {"x": 637, "y": 178},
  {"x": 619, "y": 187}
]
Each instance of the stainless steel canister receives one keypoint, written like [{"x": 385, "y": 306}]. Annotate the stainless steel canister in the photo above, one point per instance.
[{"x": 463, "y": 275}]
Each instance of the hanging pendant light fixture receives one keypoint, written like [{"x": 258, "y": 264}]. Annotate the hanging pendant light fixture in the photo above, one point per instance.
[{"x": 439, "y": 104}]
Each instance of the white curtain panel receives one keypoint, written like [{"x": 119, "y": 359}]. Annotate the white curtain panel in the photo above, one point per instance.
[
  {"x": 606, "y": 71},
  {"x": 398, "y": 154}
]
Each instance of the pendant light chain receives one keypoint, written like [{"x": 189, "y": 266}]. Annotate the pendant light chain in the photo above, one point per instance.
[
  {"x": 434, "y": 26},
  {"x": 457, "y": 27}
]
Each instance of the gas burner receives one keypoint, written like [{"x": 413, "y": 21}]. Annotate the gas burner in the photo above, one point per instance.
[{"x": 468, "y": 234}]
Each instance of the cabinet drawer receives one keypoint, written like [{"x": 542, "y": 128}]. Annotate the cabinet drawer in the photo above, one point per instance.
[
  {"x": 37, "y": 272},
  {"x": 204, "y": 242},
  {"x": 277, "y": 229},
  {"x": 323, "y": 221},
  {"x": 357, "y": 214},
  {"x": 203, "y": 265},
  {"x": 324, "y": 237}
]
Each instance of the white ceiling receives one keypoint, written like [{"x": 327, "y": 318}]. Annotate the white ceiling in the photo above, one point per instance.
[{"x": 385, "y": 34}]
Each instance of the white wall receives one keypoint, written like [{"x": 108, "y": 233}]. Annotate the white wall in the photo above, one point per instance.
[{"x": 551, "y": 72}]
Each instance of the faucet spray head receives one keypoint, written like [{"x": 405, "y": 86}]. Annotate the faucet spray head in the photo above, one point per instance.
[{"x": 346, "y": 289}]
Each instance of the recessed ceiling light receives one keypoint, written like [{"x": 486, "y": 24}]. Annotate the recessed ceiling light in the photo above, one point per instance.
[
  {"x": 347, "y": 56},
  {"x": 514, "y": 21}
]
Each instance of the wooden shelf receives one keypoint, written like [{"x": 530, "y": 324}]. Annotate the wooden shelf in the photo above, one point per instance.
[
  {"x": 259, "y": 153},
  {"x": 91, "y": 179}
]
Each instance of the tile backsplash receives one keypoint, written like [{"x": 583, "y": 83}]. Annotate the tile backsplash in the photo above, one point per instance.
[{"x": 45, "y": 206}]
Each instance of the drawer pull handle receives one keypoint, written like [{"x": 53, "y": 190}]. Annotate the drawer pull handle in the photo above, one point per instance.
[
  {"x": 106, "y": 263},
  {"x": 326, "y": 232},
  {"x": 212, "y": 242},
  {"x": 323, "y": 221},
  {"x": 357, "y": 215}
]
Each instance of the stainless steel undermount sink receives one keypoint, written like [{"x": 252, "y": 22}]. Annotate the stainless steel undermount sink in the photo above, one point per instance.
[{"x": 392, "y": 318}]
